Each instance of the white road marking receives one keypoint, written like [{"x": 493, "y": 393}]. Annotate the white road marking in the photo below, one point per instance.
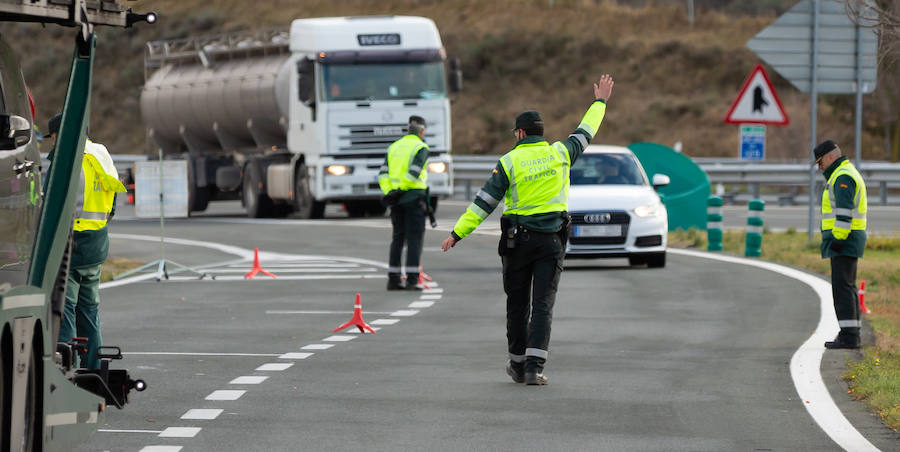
[
  {"x": 248, "y": 380},
  {"x": 277, "y": 265},
  {"x": 274, "y": 367},
  {"x": 108, "y": 430},
  {"x": 225, "y": 394},
  {"x": 421, "y": 304},
  {"x": 317, "y": 347},
  {"x": 431, "y": 297},
  {"x": 282, "y": 278},
  {"x": 385, "y": 321},
  {"x": 427, "y": 291},
  {"x": 161, "y": 449},
  {"x": 339, "y": 338},
  {"x": 404, "y": 313},
  {"x": 291, "y": 270},
  {"x": 275, "y": 311},
  {"x": 198, "y": 354},
  {"x": 295, "y": 355},
  {"x": 180, "y": 432},
  {"x": 201, "y": 414},
  {"x": 355, "y": 330},
  {"x": 807, "y": 360}
]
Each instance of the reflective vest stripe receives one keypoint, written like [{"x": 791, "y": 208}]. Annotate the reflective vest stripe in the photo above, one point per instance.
[
  {"x": 402, "y": 174},
  {"x": 534, "y": 170},
  {"x": 487, "y": 198},
  {"x": 99, "y": 216},
  {"x": 841, "y": 229},
  {"x": 513, "y": 193}
]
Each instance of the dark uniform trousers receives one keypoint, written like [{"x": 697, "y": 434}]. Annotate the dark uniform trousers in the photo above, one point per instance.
[
  {"x": 846, "y": 297},
  {"x": 531, "y": 273},
  {"x": 408, "y": 221}
]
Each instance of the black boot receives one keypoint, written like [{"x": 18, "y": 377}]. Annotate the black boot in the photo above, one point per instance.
[
  {"x": 412, "y": 280},
  {"x": 850, "y": 342},
  {"x": 516, "y": 371},
  {"x": 394, "y": 282}
]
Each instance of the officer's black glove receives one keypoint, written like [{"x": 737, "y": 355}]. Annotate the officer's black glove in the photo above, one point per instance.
[
  {"x": 836, "y": 245},
  {"x": 391, "y": 198}
]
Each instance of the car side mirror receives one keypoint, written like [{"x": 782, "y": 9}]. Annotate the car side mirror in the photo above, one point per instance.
[
  {"x": 15, "y": 131},
  {"x": 306, "y": 81},
  {"x": 660, "y": 180},
  {"x": 456, "y": 78}
]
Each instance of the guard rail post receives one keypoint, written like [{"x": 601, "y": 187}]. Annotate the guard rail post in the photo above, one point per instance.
[
  {"x": 714, "y": 223},
  {"x": 753, "y": 240}
]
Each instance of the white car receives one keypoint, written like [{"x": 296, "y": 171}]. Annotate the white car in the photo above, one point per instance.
[{"x": 615, "y": 210}]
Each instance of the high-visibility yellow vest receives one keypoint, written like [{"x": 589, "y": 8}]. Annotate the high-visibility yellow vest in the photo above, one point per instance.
[
  {"x": 400, "y": 156},
  {"x": 98, "y": 186},
  {"x": 841, "y": 229},
  {"x": 538, "y": 176}
]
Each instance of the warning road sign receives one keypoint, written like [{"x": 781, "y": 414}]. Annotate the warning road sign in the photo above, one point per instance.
[{"x": 757, "y": 102}]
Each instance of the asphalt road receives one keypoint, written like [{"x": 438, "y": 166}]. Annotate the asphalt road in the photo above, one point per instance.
[{"x": 693, "y": 356}]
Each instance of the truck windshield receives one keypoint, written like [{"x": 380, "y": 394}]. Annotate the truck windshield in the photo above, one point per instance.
[{"x": 383, "y": 81}]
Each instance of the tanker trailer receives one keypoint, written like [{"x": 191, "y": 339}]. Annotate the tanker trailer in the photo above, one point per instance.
[{"x": 289, "y": 120}]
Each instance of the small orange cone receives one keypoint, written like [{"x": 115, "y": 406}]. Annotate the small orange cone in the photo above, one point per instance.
[
  {"x": 256, "y": 267},
  {"x": 862, "y": 297},
  {"x": 422, "y": 277},
  {"x": 357, "y": 319}
]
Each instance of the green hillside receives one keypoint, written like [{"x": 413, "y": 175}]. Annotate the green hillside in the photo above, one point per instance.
[{"x": 674, "y": 82}]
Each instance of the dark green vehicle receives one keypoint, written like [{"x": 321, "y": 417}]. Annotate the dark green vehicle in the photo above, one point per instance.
[{"x": 45, "y": 403}]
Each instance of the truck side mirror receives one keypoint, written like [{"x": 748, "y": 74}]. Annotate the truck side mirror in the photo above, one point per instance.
[
  {"x": 15, "y": 131},
  {"x": 456, "y": 78},
  {"x": 306, "y": 81}
]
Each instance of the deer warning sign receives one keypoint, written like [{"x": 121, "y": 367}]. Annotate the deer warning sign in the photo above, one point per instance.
[{"x": 757, "y": 102}]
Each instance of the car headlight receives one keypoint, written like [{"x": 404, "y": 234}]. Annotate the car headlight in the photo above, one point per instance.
[
  {"x": 646, "y": 211},
  {"x": 337, "y": 170},
  {"x": 437, "y": 167}
]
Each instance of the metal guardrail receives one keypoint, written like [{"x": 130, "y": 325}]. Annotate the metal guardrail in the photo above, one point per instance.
[{"x": 790, "y": 179}]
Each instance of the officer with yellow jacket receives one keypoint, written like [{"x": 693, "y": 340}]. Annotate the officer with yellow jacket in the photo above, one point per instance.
[
  {"x": 844, "y": 209},
  {"x": 403, "y": 178},
  {"x": 94, "y": 206},
  {"x": 533, "y": 180}
]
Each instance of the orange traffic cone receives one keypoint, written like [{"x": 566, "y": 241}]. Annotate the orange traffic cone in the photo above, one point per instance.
[
  {"x": 256, "y": 267},
  {"x": 862, "y": 297},
  {"x": 357, "y": 319},
  {"x": 422, "y": 276}
]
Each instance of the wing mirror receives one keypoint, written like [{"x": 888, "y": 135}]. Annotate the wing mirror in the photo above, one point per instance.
[
  {"x": 306, "y": 77},
  {"x": 15, "y": 131},
  {"x": 660, "y": 180},
  {"x": 456, "y": 77}
]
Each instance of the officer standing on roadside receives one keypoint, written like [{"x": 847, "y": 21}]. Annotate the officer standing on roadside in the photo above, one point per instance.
[
  {"x": 403, "y": 179},
  {"x": 843, "y": 236},
  {"x": 534, "y": 179},
  {"x": 94, "y": 206}
]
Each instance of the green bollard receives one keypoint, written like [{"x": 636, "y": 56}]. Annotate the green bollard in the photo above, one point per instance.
[
  {"x": 753, "y": 242},
  {"x": 714, "y": 223}
]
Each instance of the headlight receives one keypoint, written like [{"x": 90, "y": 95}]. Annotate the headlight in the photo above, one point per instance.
[
  {"x": 437, "y": 167},
  {"x": 337, "y": 170},
  {"x": 646, "y": 211}
]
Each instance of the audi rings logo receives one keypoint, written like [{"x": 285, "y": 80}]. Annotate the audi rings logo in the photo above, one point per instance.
[{"x": 597, "y": 218}]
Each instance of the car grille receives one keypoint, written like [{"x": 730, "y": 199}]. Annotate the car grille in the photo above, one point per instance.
[
  {"x": 615, "y": 217},
  {"x": 648, "y": 240}
]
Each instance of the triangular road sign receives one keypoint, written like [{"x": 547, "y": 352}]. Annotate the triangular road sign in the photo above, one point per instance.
[{"x": 757, "y": 102}]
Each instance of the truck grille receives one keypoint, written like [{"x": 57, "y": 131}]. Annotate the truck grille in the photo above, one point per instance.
[
  {"x": 615, "y": 217},
  {"x": 368, "y": 137}
]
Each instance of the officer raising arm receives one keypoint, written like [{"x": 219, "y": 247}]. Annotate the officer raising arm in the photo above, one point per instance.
[{"x": 534, "y": 179}]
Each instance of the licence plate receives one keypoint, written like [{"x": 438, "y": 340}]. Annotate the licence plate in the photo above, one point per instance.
[{"x": 602, "y": 230}]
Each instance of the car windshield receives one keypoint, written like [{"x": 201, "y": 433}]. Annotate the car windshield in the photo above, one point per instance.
[
  {"x": 606, "y": 169},
  {"x": 383, "y": 81}
]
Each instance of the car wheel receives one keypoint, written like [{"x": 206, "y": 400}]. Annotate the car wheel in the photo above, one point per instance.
[{"x": 657, "y": 260}]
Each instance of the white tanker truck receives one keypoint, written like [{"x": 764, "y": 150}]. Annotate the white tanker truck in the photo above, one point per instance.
[{"x": 291, "y": 120}]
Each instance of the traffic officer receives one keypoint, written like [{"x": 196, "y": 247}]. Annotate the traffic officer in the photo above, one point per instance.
[
  {"x": 94, "y": 206},
  {"x": 534, "y": 179},
  {"x": 843, "y": 236},
  {"x": 403, "y": 179}
]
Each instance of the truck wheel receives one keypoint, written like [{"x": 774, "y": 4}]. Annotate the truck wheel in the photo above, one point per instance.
[
  {"x": 356, "y": 209},
  {"x": 257, "y": 204},
  {"x": 307, "y": 207},
  {"x": 198, "y": 198}
]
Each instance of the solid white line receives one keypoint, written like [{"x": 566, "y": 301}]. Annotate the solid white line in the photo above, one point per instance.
[
  {"x": 201, "y": 414},
  {"x": 225, "y": 394},
  {"x": 338, "y": 338},
  {"x": 248, "y": 380},
  {"x": 218, "y": 271},
  {"x": 161, "y": 449},
  {"x": 385, "y": 321},
  {"x": 198, "y": 354},
  {"x": 283, "y": 278},
  {"x": 404, "y": 313},
  {"x": 295, "y": 355},
  {"x": 180, "y": 432},
  {"x": 421, "y": 304},
  {"x": 317, "y": 347},
  {"x": 274, "y": 367},
  {"x": 806, "y": 361},
  {"x": 108, "y": 430},
  {"x": 275, "y": 311}
]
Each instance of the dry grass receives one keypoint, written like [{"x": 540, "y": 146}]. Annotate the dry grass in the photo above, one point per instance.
[{"x": 115, "y": 265}]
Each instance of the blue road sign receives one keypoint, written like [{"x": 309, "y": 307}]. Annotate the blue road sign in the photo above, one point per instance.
[{"x": 753, "y": 142}]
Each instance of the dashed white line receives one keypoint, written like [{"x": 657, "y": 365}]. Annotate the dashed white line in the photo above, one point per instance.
[
  {"x": 357, "y": 331},
  {"x": 404, "y": 313},
  {"x": 421, "y": 304},
  {"x": 107, "y": 430},
  {"x": 161, "y": 449},
  {"x": 198, "y": 354},
  {"x": 225, "y": 394},
  {"x": 295, "y": 355},
  {"x": 282, "y": 278},
  {"x": 317, "y": 347},
  {"x": 248, "y": 380},
  {"x": 385, "y": 321},
  {"x": 274, "y": 367},
  {"x": 201, "y": 414},
  {"x": 428, "y": 291},
  {"x": 431, "y": 297},
  {"x": 339, "y": 338},
  {"x": 180, "y": 432},
  {"x": 292, "y": 270},
  {"x": 275, "y": 311}
]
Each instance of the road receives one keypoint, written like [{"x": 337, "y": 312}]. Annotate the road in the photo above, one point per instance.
[{"x": 693, "y": 356}]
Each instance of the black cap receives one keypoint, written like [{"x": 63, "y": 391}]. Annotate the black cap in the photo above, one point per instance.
[
  {"x": 823, "y": 148},
  {"x": 418, "y": 120},
  {"x": 53, "y": 125},
  {"x": 529, "y": 121}
]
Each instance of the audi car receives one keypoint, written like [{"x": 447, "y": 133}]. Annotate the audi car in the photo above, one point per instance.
[{"x": 615, "y": 209}]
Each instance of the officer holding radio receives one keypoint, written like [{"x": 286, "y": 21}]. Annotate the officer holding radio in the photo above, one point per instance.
[{"x": 534, "y": 179}]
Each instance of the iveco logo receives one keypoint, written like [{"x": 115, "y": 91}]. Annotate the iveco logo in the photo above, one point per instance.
[
  {"x": 597, "y": 218},
  {"x": 386, "y": 39}
]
